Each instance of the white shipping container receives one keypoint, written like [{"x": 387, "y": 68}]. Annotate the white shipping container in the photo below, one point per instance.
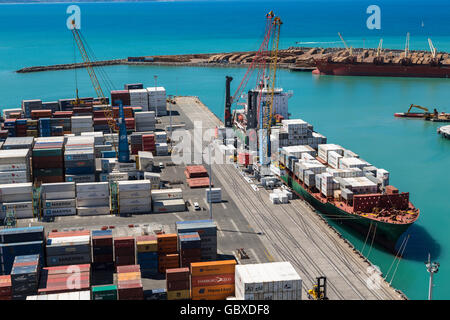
[
  {"x": 94, "y": 187},
  {"x": 93, "y": 211},
  {"x": 127, "y": 202},
  {"x": 93, "y": 202},
  {"x": 167, "y": 194},
  {"x": 136, "y": 185}
]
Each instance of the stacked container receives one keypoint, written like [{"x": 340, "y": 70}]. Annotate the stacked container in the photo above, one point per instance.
[
  {"x": 162, "y": 149},
  {"x": 18, "y": 143},
  {"x": 48, "y": 159},
  {"x": 148, "y": 143},
  {"x": 123, "y": 95},
  {"x": 32, "y": 128},
  {"x": 30, "y": 105},
  {"x": 157, "y": 100},
  {"x": 79, "y": 159},
  {"x": 73, "y": 296},
  {"x": 93, "y": 199},
  {"x": 139, "y": 98},
  {"x": 64, "y": 279},
  {"x": 19, "y": 241},
  {"x": 145, "y": 161},
  {"x": 215, "y": 195},
  {"x": 154, "y": 178},
  {"x": 124, "y": 251},
  {"x": 61, "y": 120},
  {"x": 10, "y": 125},
  {"x": 67, "y": 248},
  {"x": 81, "y": 124},
  {"x": 177, "y": 284},
  {"x": 168, "y": 200},
  {"x": 102, "y": 250},
  {"x": 207, "y": 230},
  {"x": 168, "y": 257},
  {"x": 147, "y": 254},
  {"x": 136, "y": 142},
  {"x": 15, "y": 166},
  {"x": 267, "y": 281},
  {"x": 58, "y": 199},
  {"x": 134, "y": 196},
  {"x": 212, "y": 280},
  {"x": 129, "y": 283},
  {"x": 145, "y": 121},
  {"x": 5, "y": 288},
  {"x": 107, "y": 292},
  {"x": 189, "y": 248},
  {"x": 25, "y": 276},
  {"x": 18, "y": 198}
]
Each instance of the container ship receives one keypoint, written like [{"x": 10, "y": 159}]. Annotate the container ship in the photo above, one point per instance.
[{"x": 334, "y": 180}]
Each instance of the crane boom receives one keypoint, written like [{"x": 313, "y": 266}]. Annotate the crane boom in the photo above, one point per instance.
[
  {"x": 350, "y": 51},
  {"x": 432, "y": 48},
  {"x": 109, "y": 115}
]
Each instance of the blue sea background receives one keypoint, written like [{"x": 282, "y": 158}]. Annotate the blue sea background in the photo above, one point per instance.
[{"x": 356, "y": 112}]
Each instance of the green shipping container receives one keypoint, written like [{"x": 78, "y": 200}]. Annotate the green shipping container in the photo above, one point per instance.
[{"x": 108, "y": 292}]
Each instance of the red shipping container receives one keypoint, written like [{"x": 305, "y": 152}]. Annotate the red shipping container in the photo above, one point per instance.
[
  {"x": 60, "y": 234},
  {"x": 129, "y": 268},
  {"x": 125, "y": 260},
  {"x": 123, "y": 242},
  {"x": 177, "y": 285},
  {"x": 102, "y": 241},
  {"x": 130, "y": 290}
]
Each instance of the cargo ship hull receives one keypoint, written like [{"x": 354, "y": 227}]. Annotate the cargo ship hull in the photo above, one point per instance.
[
  {"x": 381, "y": 70},
  {"x": 386, "y": 234}
]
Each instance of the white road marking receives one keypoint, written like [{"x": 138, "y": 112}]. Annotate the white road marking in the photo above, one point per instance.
[
  {"x": 178, "y": 217},
  {"x": 235, "y": 226},
  {"x": 223, "y": 205},
  {"x": 219, "y": 230}
]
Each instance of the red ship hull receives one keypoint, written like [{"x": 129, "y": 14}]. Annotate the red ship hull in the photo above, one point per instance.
[{"x": 381, "y": 70}]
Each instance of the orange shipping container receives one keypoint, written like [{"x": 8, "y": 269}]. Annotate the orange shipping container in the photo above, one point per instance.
[
  {"x": 128, "y": 276},
  {"x": 220, "y": 290},
  {"x": 212, "y": 267},
  {"x": 220, "y": 279},
  {"x": 168, "y": 237}
]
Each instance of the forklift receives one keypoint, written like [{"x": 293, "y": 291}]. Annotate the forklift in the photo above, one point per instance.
[{"x": 319, "y": 291}]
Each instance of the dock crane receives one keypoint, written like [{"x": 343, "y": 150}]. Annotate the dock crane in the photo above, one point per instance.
[
  {"x": 379, "y": 58},
  {"x": 351, "y": 58},
  {"x": 109, "y": 115},
  {"x": 406, "y": 59},
  {"x": 434, "y": 60}
]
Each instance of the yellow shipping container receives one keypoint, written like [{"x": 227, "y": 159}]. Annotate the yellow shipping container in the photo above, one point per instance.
[
  {"x": 147, "y": 246},
  {"x": 136, "y": 159},
  {"x": 178, "y": 295},
  {"x": 225, "y": 290},
  {"x": 129, "y": 276},
  {"x": 212, "y": 267}
]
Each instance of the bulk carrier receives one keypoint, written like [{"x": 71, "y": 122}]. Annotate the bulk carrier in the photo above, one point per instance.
[{"x": 334, "y": 180}]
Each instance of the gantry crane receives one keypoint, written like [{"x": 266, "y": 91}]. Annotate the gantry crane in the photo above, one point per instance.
[{"x": 108, "y": 111}]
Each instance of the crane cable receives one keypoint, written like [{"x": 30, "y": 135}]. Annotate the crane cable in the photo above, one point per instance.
[
  {"x": 395, "y": 258},
  {"x": 398, "y": 262}
]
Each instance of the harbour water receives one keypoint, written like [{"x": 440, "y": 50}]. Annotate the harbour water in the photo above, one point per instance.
[{"x": 356, "y": 112}]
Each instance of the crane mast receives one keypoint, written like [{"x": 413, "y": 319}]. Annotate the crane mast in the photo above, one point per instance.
[{"x": 109, "y": 115}]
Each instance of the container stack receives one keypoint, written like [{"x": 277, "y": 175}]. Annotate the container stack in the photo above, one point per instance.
[
  {"x": 168, "y": 258},
  {"x": 139, "y": 98},
  {"x": 61, "y": 120},
  {"x": 81, "y": 124},
  {"x": 93, "y": 199},
  {"x": 207, "y": 230},
  {"x": 58, "y": 199},
  {"x": 124, "y": 251},
  {"x": 145, "y": 121},
  {"x": 212, "y": 280},
  {"x": 168, "y": 200},
  {"x": 130, "y": 86},
  {"x": 147, "y": 254},
  {"x": 197, "y": 176},
  {"x": 18, "y": 143},
  {"x": 177, "y": 284},
  {"x": 19, "y": 241},
  {"x": 21, "y": 127},
  {"x": 189, "y": 248},
  {"x": 66, "y": 296},
  {"x": 32, "y": 128},
  {"x": 157, "y": 100},
  {"x": 107, "y": 292},
  {"x": 79, "y": 159},
  {"x": 51, "y": 105},
  {"x": 123, "y": 95},
  {"x": 162, "y": 149},
  {"x": 102, "y": 250},
  {"x": 30, "y": 105},
  {"x": 145, "y": 161},
  {"x": 66, "y": 104},
  {"x": 287, "y": 284},
  {"x": 67, "y": 248},
  {"x": 60, "y": 279},
  {"x": 129, "y": 283},
  {"x": 15, "y": 166},
  {"x": 5, "y": 288},
  {"x": 148, "y": 143},
  {"x": 135, "y": 142},
  {"x": 45, "y": 129},
  {"x": 134, "y": 197},
  {"x": 48, "y": 159},
  {"x": 16, "y": 198},
  {"x": 154, "y": 178},
  {"x": 25, "y": 276},
  {"x": 10, "y": 125},
  {"x": 214, "y": 196}
]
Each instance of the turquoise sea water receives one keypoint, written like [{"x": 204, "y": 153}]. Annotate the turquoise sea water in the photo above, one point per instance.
[{"x": 356, "y": 112}]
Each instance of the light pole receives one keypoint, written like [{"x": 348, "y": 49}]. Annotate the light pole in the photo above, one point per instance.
[
  {"x": 432, "y": 268},
  {"x": 210, "y": 177},
  {"x": 156, "y": 107}
]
